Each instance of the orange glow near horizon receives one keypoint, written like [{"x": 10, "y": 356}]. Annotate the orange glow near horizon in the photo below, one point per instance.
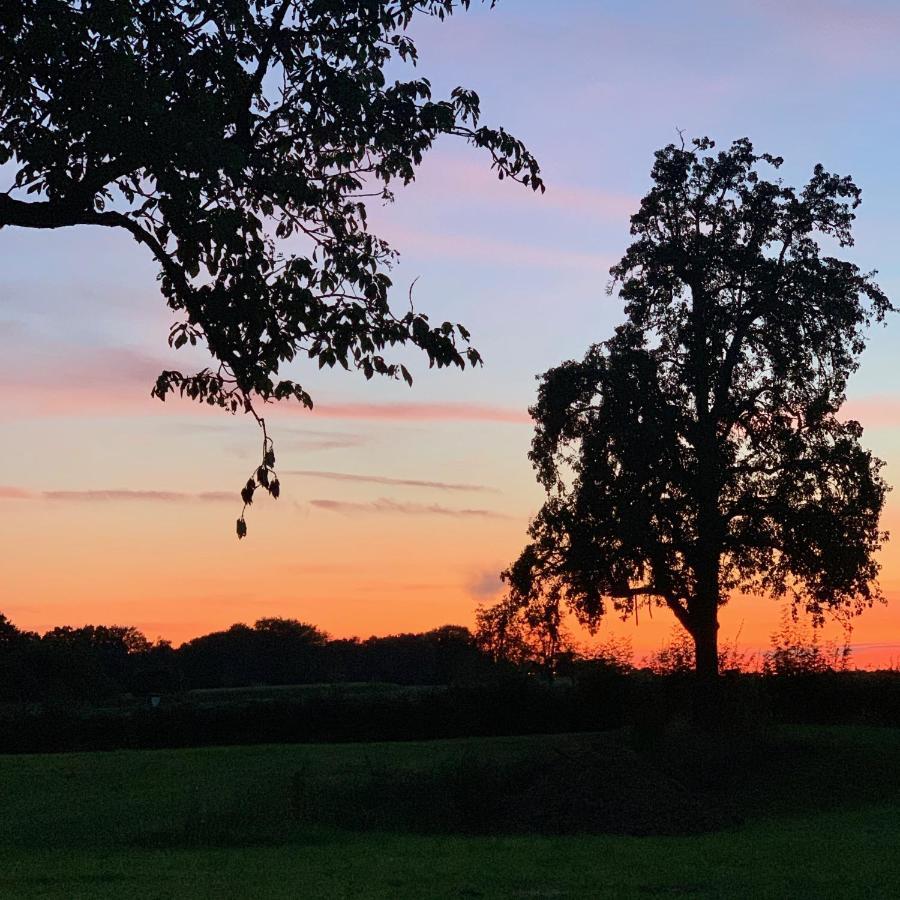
[{"x": 173, "y": 568}]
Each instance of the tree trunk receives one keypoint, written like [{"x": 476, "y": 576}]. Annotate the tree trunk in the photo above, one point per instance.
[
  {"x": 706, "y": 651},
  {"x": 705, "y": 606},
  {"x": 707, "y": 702},
  {"x": 707, "y": 713}
]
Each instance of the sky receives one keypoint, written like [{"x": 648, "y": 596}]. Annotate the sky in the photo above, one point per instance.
[{"x": 400, "y": 506}]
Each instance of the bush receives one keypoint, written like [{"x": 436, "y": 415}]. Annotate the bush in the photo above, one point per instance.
[{"x": 796, "y": 651}]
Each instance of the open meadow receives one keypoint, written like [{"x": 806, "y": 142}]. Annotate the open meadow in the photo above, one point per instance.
[{"x": 802, "y": 812}]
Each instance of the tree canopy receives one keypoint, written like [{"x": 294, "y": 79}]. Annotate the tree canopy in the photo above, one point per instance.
[
  {"x": 699, "y": 451},
  {"x": 239, "y": 142}
]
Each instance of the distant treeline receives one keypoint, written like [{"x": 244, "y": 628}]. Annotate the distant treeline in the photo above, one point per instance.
[
  {"x": 97, "y": 662},
  {"x": 281, "y": 680}
]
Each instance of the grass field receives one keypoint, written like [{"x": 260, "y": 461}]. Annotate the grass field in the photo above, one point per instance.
[{"x": 820, "y": 820}]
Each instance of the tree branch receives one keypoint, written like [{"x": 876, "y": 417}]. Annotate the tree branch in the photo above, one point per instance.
[
  {"x": 681, "y": 612},
  {"x": 651, "y": 590},
  {"x": 45, "y": 214},
  {"x": 62, "y": 214},
  {"x": 265, "y": 58}
]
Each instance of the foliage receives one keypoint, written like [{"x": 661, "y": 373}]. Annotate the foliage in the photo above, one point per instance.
[
  {"x": 94, "y": 663},
  {"x": 536, "y": 639},
  {"x": 531, "y": 635},
  {"x": 9, "y": 634},
  {"x": 282, "y": 681},
  {"x": 675, "y": 657},
  {"x": 112, "y": 641},
  {"x": 678, "y": 656},
  {"x": 273, "y": 651},
  {"x": 796, "y": 651},
  {"x": 612, "y": 652},
  {"x": 80, "y": 665},
  {"x": 239, "y": 143},
  {"x": 699, "y": 450}
]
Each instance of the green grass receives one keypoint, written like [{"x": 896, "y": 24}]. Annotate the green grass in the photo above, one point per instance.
[{"x": 822, "y": 821}]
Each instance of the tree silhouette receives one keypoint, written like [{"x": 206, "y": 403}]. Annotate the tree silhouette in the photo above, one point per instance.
[
  {"x": 239, "y": 143},
  {"x": 698, "y": 451},
  {"x": 523, "y": 634}
]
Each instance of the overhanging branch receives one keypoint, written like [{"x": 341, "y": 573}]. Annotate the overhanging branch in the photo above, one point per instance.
[
  {"x": 62, "y": 214},
  {"x": 46, "y": 214}
]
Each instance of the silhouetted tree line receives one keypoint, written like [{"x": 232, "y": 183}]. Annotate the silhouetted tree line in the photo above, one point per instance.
[
  {"x": 94, "y": 688},
  {"x": 96, "y": 662}
]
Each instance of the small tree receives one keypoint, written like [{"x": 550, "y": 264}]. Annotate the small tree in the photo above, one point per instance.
[
  {"x": 698, "y": 451},
  {"x": 239, "y": 142},
  {"x": 528, "y": 636},
  {"x": 676, "y": 657},
  {"x": 615, "y": 653},
  {"x": 9, "y": 634},
  {"x": 796, "y": 650}
]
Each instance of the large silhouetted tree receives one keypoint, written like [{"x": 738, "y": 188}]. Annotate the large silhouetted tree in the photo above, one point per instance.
[
  {"x": 699, "y": 451},
  {"x": 238, "y": 142}
]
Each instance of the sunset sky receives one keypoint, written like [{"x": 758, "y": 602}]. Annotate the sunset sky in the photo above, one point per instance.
[{"x": 400, "y": 506}]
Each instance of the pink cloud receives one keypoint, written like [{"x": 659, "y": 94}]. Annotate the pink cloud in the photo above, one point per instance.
[
  {"x": 117, "y": 381},
  {"x": 8, "y": 492},
  {"x": 471, "y": 180},
  {"x": 122, "y": 399},
  {"x": 392, "y": 507},
  {"x": 117, "y": 494},
  {"x": 156, "y": 496},
  {"x": 420, "y": 412},
  {"x": 40, "y": 378},
  {"x": 114, "y": 381},
  {"x": 59, "y": 365},
  {"x": 117, "y": 398},
  {"x": 490, "y": 250},
  {"x": 383, "y": 479}
]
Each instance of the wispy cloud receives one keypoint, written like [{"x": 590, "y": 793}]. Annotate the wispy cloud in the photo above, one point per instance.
[
  {"x": 486, "y": 584},
  {"x": 399, "y": 482},
  {"x": 392, "y": 507},
  {"x": 126, "y": 398},
  {"x": 68, "y": 381},
  {"x": 464, "y": 180},
  {"x": 418, "y": 412},
  {"x": 876, "y": 645},
  {"x": 117, "y": 382},
  {"x": 8, "y": 492},
  {"x": 322, "y": 441},
  {"x": 289, "y": 437},
  {"x": 38, "y": 362},
  {"x": 154, "y": 496},
  {"x": 475, "y": 248}
]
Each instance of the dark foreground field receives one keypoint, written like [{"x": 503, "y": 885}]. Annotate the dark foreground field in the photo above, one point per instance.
[{"x": 801, "y": 812}]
